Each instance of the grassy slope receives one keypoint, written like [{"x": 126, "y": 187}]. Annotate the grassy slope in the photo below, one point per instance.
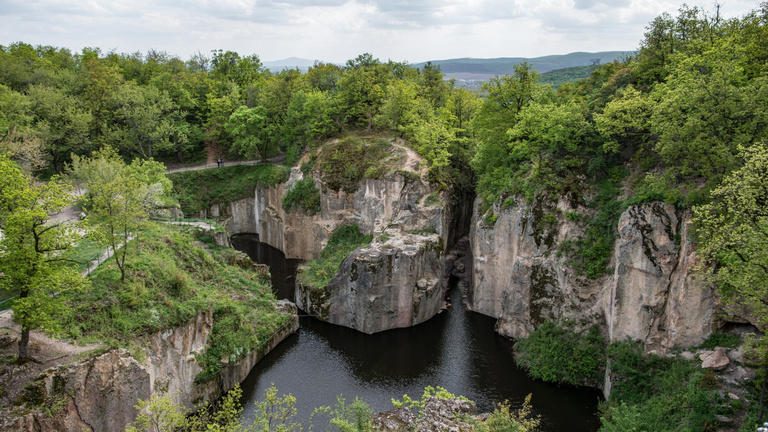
[
  {"x": 319, "y": 272},
  {"x": 198, "y": 190},
  {"x": 172, "y": 277}
]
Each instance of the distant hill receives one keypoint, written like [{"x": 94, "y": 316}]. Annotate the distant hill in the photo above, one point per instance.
[
  {"x": 476, "y": 69},
  {"x": 289, "y": 63}
]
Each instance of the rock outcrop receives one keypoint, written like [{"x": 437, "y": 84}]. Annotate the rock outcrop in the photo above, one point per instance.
[
  {"x": 654, "y": 295},
  {"x": 398, "y": 280},
  {"x": 391, "y": 284},
  {"x": 100, "y": 393}
]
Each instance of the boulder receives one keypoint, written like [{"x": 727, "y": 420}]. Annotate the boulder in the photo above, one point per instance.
[{"x": 716, "y": 359}]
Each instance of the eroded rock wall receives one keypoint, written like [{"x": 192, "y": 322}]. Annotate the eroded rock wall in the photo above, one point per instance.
[
  {"x": 392, "y": 284},
  {"x": 654, "y": 295},
  {"x": 100, "y": 393}
]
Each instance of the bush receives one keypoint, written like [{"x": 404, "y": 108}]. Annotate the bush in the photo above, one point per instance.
[
  {"x": 721, "y": 339},
  {"x": 319, "y": 272},
  {"x": 344, "y": 163},
  {"x": 652, "y": 393},
  {"x": 555, "y": 354},
  {"x": 303, "y": 195}
]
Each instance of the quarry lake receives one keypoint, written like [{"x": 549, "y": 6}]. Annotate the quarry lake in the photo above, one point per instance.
[{"x": 457, "y": 349}]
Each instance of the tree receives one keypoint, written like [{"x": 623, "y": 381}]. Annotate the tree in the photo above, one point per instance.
[
  {"x": 18, "y": 139},
  {"x": 311, "y": 116},
  {"x": 248, "y": 128},
  {"x": 362, "y": 89},
  {"x": 704, "y": 111},
  {"x": 158, "y": 414},
  {"x": 62, "y": 123},
  {"x": 120, "y": 197},
  {"x": 144, "y": 121},
  {"x": 30, "y": 250},
  {"x": 732, "y": 232},
  {"x": 625, "y": 122}
]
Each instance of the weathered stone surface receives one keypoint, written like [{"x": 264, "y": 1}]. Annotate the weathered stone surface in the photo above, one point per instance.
[
  {"x": 387, "y": 285},
  {"x": 653, "y": 296},
  {"x": 518, "y": 275},
  {"x": 438, "y": 415},
  {"x": 716, "y": 359},
  {"x": 99, "y": 393}
]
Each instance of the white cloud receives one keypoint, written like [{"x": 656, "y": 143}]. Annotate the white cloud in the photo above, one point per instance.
[{"x": 335, "y": 30}]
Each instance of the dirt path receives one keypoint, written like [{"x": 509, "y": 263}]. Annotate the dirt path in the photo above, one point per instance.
[
  {"x": 44, "y": 350},
  {"x": 412, "y": 159},
  {"x": 209, "y": 165}
]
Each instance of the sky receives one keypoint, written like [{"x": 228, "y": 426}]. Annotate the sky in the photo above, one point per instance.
[{"x": 336, "y": 30}]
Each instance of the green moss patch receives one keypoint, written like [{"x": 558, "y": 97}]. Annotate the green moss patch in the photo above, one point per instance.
[{"x": 345, "y": 239}]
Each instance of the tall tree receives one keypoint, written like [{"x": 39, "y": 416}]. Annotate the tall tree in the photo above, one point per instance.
[
  {"x": 30, "y": 250},
  {"x": 120, "y": 197},
  {"x": 733, "y": 238}
]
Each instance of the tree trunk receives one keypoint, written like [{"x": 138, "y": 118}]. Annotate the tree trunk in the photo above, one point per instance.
[{"x": 24, "y": 344}]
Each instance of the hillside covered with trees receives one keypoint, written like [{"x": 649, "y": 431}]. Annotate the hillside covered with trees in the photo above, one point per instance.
[{"x": 683, "y": 121}]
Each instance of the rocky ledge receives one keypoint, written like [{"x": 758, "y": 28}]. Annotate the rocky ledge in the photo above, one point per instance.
[{"x": 393, "y": 283}]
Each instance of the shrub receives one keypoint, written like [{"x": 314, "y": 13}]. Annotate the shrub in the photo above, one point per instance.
[
  {"x": 303, "y": 195},
  {"x": 345, "y": 162},
  {"x": 652, "y": 393},
  {"x": 555, "y": 354}
]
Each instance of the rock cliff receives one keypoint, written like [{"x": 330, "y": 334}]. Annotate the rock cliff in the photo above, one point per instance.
[
  {"x": 653, "y": 296},
  {"x": 99, "y": 393},
  {"x": 390, "y": 284},
  {"x": 398, "y": 280}
]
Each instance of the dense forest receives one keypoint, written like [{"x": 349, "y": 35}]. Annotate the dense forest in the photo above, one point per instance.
[{"x": 684, "y": 120}]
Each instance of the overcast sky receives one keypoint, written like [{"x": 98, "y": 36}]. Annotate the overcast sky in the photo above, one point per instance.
[{"x": 335, "y": 30}]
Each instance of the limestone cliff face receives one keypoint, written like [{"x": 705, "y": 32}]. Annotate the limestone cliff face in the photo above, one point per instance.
[
  {"x": 653, "y": 295},
  {"x": 392, "y": 284},
  {"x": 395, "y": 282},
  {"x": 99, "y": 393},
  {"x": 376, "y": 204},
  {"x": 398, "y": 280}
]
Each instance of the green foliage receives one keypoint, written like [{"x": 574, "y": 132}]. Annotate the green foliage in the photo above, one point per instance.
[
  {"x": 171, "y": 279},
  {"x": 429, "y": 393},
  {"x": 558, "y": 77},
  {"x": 652, "y": 393},
  {"x": 733, "y": 234},
  {"x": 30, "y": 251},
  {"x": 319, "y": 272},
  {"x": 275, "y": 413},
  {"x": 157, "y": 414},
  {"x": 198, "y": 190},
  {"x": 344, "y": 162},
  {"x": 721, "y": 339},
  {"x": 344, "y": 417},
  {"x": 504, "y": 419},
  {"x": 120, "y": 197},
  {"x": 303, "y": 195},
  {"x": 555, "y": 354},
  {"x": 591, "y": 253},
  {"x": 248, "y": 128}
]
